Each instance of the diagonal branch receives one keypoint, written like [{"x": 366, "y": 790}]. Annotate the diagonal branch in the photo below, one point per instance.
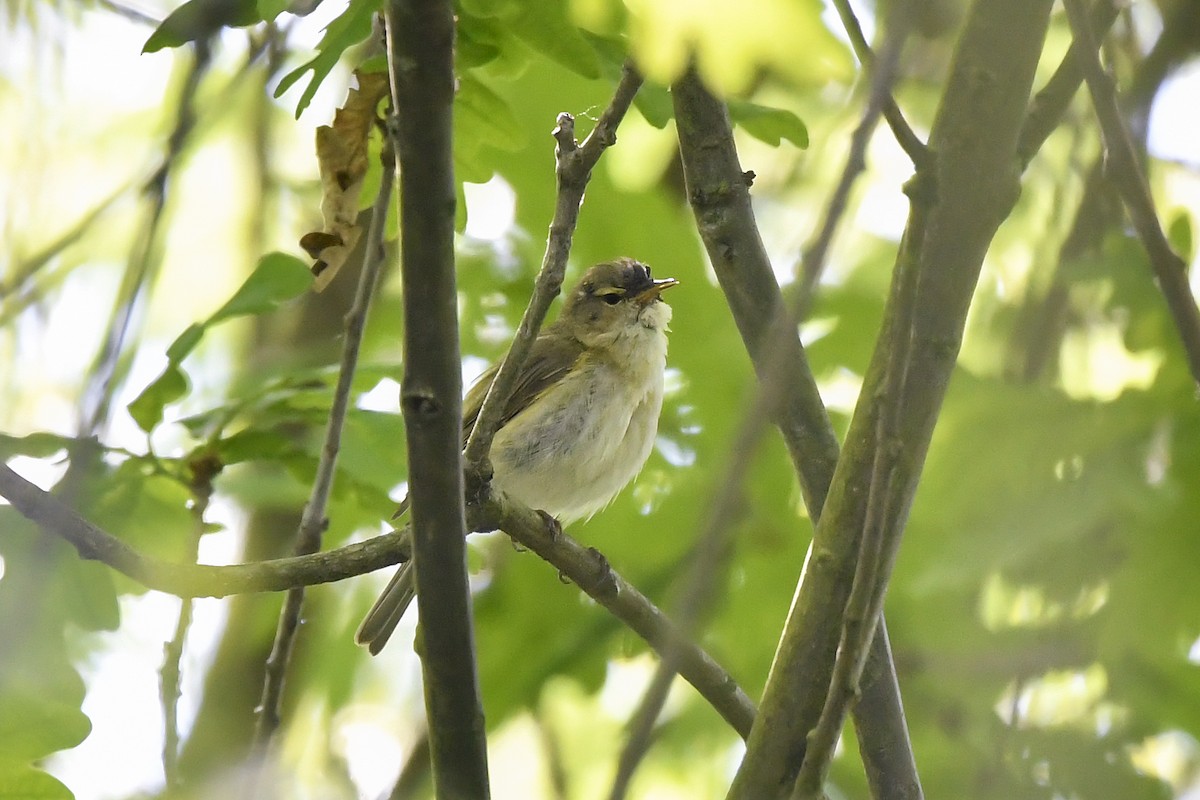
[
  {"x": 917, "y": 151},
  {"x": 957, "y": 206},
  {"x": 1050, "y": 103},
  {"x": 573, "y": 170},
  {"x": 721, "y": 202},
  {"x": 313, "y": 521},
  {"x": 863, "y": 606},
  {"x": 699, "y": 592},
  {"x": 590, "y": 570},
  {"x": 1126, "y": 173},
  {"x": 56, "y": 518}
]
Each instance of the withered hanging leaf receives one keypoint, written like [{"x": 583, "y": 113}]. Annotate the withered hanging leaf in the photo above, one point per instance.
[{"x": 342, "y": 156}]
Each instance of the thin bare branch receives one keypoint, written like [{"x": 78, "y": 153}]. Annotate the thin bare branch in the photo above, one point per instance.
[
  {"x": 586, "y": 567},
  {"x": 641, "y": 729},
  {"x": 103, "y": 378},
  {"x": 907, "y": 139},
  {"x": 56, "y": 518},
  {"x": 313, "y": 521},
  {"x": 573, "y": 168},
  {"x": 1051, "y": 102},
  {"x": 700, "y": 591},
  {"x": 883, "y": 77},
  {"x": 203, "y": 472},
  {"x": 1126, "y": 173},
  {"x": 861, "y": 614}
]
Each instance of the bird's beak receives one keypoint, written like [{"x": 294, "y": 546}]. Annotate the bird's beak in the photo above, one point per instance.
[{"x": 648, "y": 296}]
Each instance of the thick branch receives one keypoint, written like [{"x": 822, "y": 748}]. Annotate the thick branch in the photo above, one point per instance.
[
  {"x": 721, "y": 202},
  {"x": 420, "y": 37},
  {"x": 1126, "y": 173},
  {"x": 957, "y": 206}
]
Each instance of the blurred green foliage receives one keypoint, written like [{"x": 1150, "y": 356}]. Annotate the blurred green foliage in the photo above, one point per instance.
[{"x": 1043, "y": 611}]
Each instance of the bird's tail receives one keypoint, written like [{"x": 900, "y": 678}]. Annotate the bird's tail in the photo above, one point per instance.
[{"x": 385, "y": 615}]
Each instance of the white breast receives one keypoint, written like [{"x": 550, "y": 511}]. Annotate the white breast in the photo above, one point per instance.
[{"x": 579, "y": 444}]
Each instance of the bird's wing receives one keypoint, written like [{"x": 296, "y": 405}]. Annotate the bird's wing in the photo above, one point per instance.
[{"x": 550, "y": 359}]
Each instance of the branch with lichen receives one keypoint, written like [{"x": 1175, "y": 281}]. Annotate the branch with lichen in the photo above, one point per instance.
[{"x": 957, "y": 205}]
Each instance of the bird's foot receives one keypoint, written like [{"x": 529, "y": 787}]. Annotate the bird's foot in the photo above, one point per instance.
[
  {"x": 606, "y": 579},
  {"x": 553, "y": 526}
]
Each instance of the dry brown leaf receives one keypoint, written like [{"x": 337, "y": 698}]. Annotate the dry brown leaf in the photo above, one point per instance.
[{"x": 342, "y": 157}]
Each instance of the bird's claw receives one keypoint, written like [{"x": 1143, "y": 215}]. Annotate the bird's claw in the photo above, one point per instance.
[
  {"x": 606, "y": 580},
  {"x": 553, "y": 526}
]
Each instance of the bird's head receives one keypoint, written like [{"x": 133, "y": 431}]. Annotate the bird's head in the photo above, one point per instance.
[{"x": 615, "y": 300}]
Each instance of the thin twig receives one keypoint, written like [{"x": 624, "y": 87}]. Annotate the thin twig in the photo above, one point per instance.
[
  {"x": 554, "y": 757},
  {"x": 26, "y": 269},
  {"x": 56, "y": 518},
  {"x": 573, "y": 170},
  {"x": 201, "y": 485},
  {"x": 104, "y": 375},
  {"x": 313, "y": 521},
  {"x": 1051, "y": 102},
  {"x": 917, "y": 150},
  {"x": 1126, "y": 173},
  {"x": 859, "y": 623},
  {"x": 641, "y": 729},
  {"x": 1100, "y": 207},
  {"x": 413, "y": 780},
  {"x": 883, "y": 77}
]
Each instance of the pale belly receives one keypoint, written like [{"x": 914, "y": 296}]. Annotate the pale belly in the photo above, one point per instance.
[{"x": 575, "y": 448}]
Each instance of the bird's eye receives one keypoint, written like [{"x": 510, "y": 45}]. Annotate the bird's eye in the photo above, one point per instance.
[{"x": 612, "y": 298}]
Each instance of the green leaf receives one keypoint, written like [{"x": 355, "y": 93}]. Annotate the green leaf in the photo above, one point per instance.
[
  {"x": 41, "y": 703},
  {"x": 544, "y": 26},
  {"x": 770, "y": 125},
  {"x": 24, "y": 782},
  {"x": 471, "y": 50},
  {"x": 270, "y": 9},
  {"x": 485, "y": 118},
  {"x": 257, "y": 445},
  {"x": 655, "y": 104},
  {"x": 1179, "y": 234},
  {"x": 147, "y": 408},
  {"x": 277, "y": 279},
  {"x": 35, "y": 445},
  {"x": 349, "y": 29},
  {"x": 201, "y": 19},
  {"x": 185, "y": 343}
]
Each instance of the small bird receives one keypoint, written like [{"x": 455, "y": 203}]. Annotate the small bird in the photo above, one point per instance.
[{"x": 582, "y": 417}]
